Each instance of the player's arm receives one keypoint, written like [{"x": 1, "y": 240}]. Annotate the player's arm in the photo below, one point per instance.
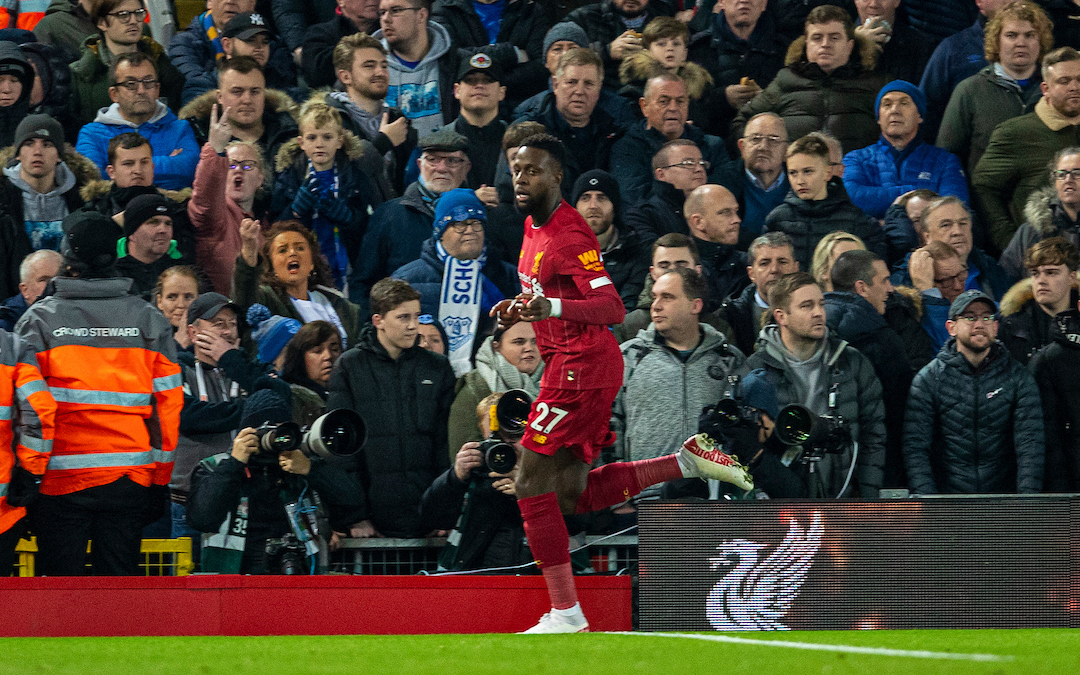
[{"x": 601, "y": 303}]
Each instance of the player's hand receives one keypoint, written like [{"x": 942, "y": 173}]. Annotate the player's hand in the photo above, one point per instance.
[
  {"x": 921, "y": 269},
  {"x": 508, "y": 312},
  {"x": 536, "y": 309},
  {"x": 245, "y": 445},
  {"x": 467, "y": 459}
]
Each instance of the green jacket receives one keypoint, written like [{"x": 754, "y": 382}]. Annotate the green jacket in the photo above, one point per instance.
[
  {"x": 247, "y": 291},
  {"x": 90, "y": 78},
  {"x": 1014, "y": 166},
  {"x": 66, "y": 25}
]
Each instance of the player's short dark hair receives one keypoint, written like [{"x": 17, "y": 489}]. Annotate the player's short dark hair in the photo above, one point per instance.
[
  {"x": 852, "y": 266},
  {"x": 781, "y": 292},
  {"x": 677, "y": 240},
  {"x": 129, "y": 140},
  {"x": 693, "y": 282},
  {"x": 389, "y": 293},
  {"x": 549, "y": 144}
]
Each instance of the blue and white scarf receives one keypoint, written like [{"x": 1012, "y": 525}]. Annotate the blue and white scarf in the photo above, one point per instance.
[{"x": 463, "y": 289}]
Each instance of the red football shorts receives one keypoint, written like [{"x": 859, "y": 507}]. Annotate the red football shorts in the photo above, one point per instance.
[{"x": 571, "y": 418}]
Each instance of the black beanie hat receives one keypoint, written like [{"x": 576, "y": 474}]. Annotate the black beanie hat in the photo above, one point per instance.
[
  {"x": 264, "y": 405},
  {"x": 597, "y": 179},
  {"x": 143, "y": 208},
  {"x": 90, "y": 238}
]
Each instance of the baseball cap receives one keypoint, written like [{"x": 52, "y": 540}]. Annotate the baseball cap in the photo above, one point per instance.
[
  {"x": 207, "y": 305},
  {"x": 245, "y": 26},
  {"x": 962, "y": 301},
  {"x": 479, "y": 63}
]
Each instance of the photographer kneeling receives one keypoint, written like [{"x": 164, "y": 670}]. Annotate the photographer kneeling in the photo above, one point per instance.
[
  {"x": 266, "y": 512},
  {"x": 476, "y": 498}
]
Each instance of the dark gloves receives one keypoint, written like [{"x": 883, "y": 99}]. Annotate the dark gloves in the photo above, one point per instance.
[
  {"x": 23, "y": 487},
  {"x": 336, "y": 210},
  {"x": 306, "y": 198}
]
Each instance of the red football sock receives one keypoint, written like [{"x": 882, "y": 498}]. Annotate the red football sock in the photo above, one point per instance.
[
  {"x": 614, "y": 483},
  {"x": 550, "y": 545}
]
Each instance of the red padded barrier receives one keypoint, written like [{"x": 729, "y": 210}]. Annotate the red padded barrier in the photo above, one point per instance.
[{"x": 275, "y": 605}]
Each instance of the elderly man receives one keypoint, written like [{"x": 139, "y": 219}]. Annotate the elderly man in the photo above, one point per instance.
[
  {"x": 625, "y": 251},
  {"x": 678, "y": 169},
  {"x": 255, "y": 113},
  {"x": 1016, "y": 39},
  {"x": 35, "y": 272},
  {"x": 1050, "y": 212},
  {"x": 1014, "y": 164},
  {"x": 614, "y": 29},
  {"x": 770, "y": 257},
  {"x": 974, "y": 422},
  {"x": 119, "y": 24},
  {"x": 398, "y": 228},
  {"x": 900, "y": 162},
  {"x": 136, "y": 108},
  {"x": 247, "y": 34},
  {"x": 712, "y": 214},
  {"x": 829, "y": 86},
  {"x": 318, "y": 42},
  {"x": 666, "y": 108},
  {"x": 457, "y": 281},
  {"x": 570, "y": 113},
  {"x": 742, "y": 50},
  {"x": 758, "y": 179}
]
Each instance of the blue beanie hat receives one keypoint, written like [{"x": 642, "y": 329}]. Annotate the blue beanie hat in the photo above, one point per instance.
[
  {"x": 906, "y": 87},
  {"x": 758, "y": 393},
  {"x": 455, "y": 206},
  {"x": 271, "y": 332}
]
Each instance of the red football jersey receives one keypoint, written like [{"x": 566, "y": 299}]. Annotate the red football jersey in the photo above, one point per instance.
[{"x": 561, "y": 259}]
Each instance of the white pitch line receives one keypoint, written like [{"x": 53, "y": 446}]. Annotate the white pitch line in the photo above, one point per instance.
[{"x": 812, "y": 646}]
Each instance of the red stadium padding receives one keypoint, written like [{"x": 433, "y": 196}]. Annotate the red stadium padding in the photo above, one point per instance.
[{"x": 321, "y": 605}]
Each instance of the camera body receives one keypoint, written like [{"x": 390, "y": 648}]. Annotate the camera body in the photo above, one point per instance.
[
  {"x": 286, "y": 555},
  {"x": 339, "y": 433},
  {"x": 817, "y": 434},
  {"x": 509, "y": 416}
]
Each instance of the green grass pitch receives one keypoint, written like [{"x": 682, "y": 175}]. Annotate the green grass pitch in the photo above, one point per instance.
[{"x": 922, "y": 651}]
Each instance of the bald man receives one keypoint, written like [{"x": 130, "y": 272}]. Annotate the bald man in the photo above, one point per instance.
[{"x": 712, "y": 214}]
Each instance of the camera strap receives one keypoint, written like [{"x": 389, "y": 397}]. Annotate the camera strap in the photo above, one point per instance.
[{"x": 200, "y": 380}]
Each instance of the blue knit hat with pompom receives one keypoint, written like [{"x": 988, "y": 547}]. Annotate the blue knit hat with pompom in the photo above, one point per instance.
[{"x": 271, "y": 331}]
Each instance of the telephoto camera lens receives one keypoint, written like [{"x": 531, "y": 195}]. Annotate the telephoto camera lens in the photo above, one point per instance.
[
  {"x": 499, "y": 457},
  {"x": 279, "y": 438}
]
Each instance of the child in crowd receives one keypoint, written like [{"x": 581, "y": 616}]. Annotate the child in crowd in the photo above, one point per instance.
[
  {"x": 818, "y": 205},
  {"x": 321, "y": 184}
]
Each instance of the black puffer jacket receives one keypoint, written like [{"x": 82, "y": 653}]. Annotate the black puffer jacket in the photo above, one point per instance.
[
  {"x": 603, "y": 23},
  {"x": 973, "y": 430},
  {"x": 850, "y": 317},
  {"x": 406, "y": 405},
  {"x": 1025, "y": 328},
  {"x": 524, "y": 24},
  {"x": 809, "y": 99},
  {"x": 632, "y": 155},
  {"x": 790, "y": 15},
  {"x": 1055, "y": 369},
  {"x": 941, "y": 18},
  {"x": 738, "y": 311},
  {"x": 627, "y": 263},
  {"x": 807, "y": 222},
  {"x": 661, "y": 213}
]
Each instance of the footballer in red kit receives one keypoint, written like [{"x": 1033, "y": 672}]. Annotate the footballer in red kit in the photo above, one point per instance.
[{"x": 572, "y": 303}]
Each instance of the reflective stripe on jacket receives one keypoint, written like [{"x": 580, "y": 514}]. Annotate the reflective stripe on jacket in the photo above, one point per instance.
[
  {"x": 109, "y": 359},
  {"x": 26, "y": 407}
]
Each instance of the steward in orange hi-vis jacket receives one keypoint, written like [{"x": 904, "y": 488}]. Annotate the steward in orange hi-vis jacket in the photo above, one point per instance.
[
  {"x": 27, "y": 410},
  {"x": 109, "y": 359}
]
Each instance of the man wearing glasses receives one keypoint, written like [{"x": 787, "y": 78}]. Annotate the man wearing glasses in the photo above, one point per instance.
[
  {"x": 120, "y": 25},
  {"x": 665, "y": 106},
  {"x": 678, "y": 169},
  {"x": 757, "y": 178},
  {"x": 974, "y": 422},
  {"x": 135, "y": 107}
]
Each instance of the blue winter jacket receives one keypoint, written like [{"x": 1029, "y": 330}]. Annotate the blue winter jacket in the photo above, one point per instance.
[
  {"x": 166, "y": 134},
  {"x": 874, "y": 181},
  {"x": 957, "y": 58},
  {"x": 991, "y": 279}
]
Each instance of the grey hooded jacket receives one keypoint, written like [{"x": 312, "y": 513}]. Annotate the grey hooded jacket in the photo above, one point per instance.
[
  {"x": 658, "y": 406},
  {"x": 425, "y": 93},
  {"x": 858, "y": 400}
]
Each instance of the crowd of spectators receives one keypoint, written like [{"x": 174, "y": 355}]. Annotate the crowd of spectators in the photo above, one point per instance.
[{"x": 865, "y": 207}]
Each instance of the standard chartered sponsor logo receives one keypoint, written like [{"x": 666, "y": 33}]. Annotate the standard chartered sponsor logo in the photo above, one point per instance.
[{"x": 97, "y": 331}]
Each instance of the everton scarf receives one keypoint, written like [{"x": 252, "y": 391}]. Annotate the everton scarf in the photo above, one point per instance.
[{"x": 459, "y": 305}]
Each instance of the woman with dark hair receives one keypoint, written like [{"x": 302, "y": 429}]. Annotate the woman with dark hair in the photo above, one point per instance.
[
  {"x": 175, "y": 290},
  {"x": 309, "y": 357},
  {"x": 291, "y": 278}
]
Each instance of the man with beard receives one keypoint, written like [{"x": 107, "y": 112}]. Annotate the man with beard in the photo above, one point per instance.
[
  {"x": 974, "y": 422},
  {"x": 147, "y": 248},
  {"x": 812, "y": 367},
  {"x": 572, "y": 301}
]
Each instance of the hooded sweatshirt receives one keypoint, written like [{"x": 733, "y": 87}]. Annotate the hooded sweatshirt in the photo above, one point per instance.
[
  {"x": 415, "y": 90},
  {"x": 11, "y": 115},
  {"x": 810, "y": 380},
  {"x": 43, "y": 213},
  {"x": 166, "y": 134}
]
